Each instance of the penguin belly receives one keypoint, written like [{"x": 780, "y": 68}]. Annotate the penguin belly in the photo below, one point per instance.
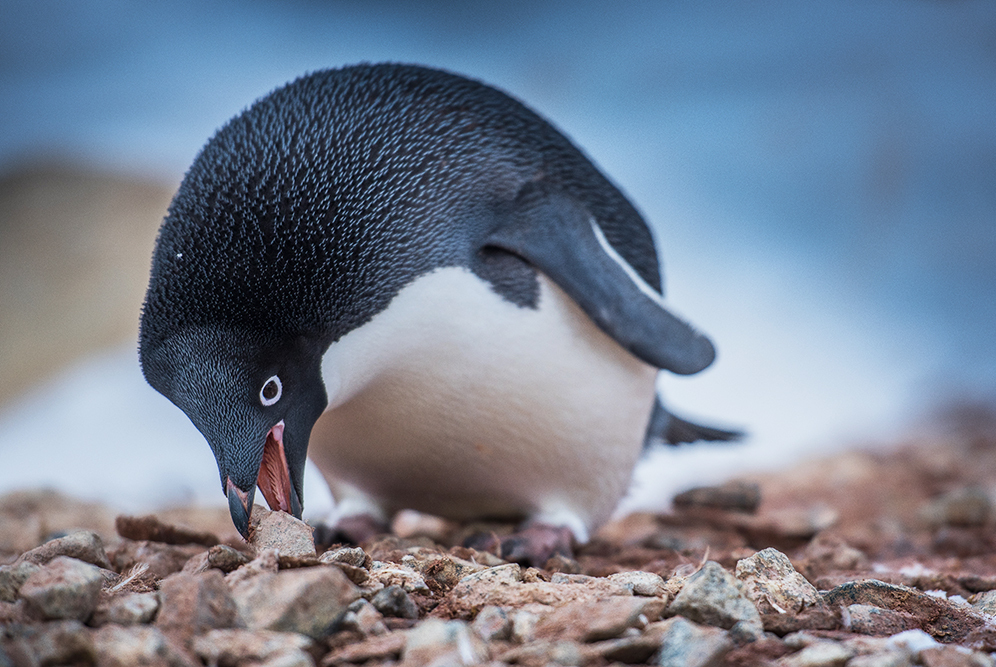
[{"x": 459, "y": 403}]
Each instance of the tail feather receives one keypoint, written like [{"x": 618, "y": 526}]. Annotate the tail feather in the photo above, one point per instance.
[{"x": 673, "y": 430}]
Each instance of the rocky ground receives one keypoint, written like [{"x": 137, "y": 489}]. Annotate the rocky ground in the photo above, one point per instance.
[{"x": 864, "y": 558}]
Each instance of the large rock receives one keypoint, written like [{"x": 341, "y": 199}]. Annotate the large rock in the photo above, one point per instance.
[
  {"x": 308, "y": 600},
  {"x": 193, "y": 604},
  {"x": 711, "y": 596},
  {"x": 291, "y": 537},
  {"x": 84, "y": 545},
  {"x": 687, "y": 644},
  {"x": 786, "y": 601},
  {"x": 435, "y": 641},
  {"x": 394, "y": 601},
  {"x": 65, "y": 588},
  {"x": 133, "y": 646}
]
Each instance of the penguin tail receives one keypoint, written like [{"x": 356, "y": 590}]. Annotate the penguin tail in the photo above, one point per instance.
[{"x": 672, "y": 430}]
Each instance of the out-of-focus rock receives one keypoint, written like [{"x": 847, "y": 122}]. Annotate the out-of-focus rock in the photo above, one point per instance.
[
  {"x": 126, "y": 609},
  {"x": 161, "y": 559},
  {"x": 598, "y": 620},
  {"x": 234, "y": 647},
  {"x": 409, "y": 524},
  {"x": 308, "y": 600},
  {"x": 394, "y": 601},
  {"x": 266, "y": 561},
  {"x": 435, "y": 641},
  {"x": 65, "y": 588},
  {"x": 392, "y": 574},
  {"x": 735, "y": 496},
  {"x": 12, "y": 577},
  {"x": 363, "y": 618},
  {"x": 523, "y": 625},
  {"x": 545, "y": 652},
  {"x": 712, "y": 596},
  {"x": 632, "y": 648},
  {"x": 151, "y": 529},
  {"x": 828, "y": 553},
  {"x": 220, "y": 557},
  {"x": 967, "y": 506},
  {"x": 868, "y": 620},
  {"x": 981, "y": 602},
  {"x": 687, "y": 644},
  {"x": 118, "y": 646},
  {"x": 84, "y": 545},
  {"x": 193, "y": 604},
  {"x": 382, "y": 648},
  {"x": 291, "y": 537},
  {"x": 645, "y": 584},
  {"x": 352, "y": 556},
  {"x": 819, "y": 654},
  {"x": 492, "y": 623},
  {"x": 56, "y": 643},
  {"x": 953, "y": 656}
]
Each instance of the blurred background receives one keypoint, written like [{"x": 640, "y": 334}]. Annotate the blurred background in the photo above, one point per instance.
[{"x": 820, "y": 178}]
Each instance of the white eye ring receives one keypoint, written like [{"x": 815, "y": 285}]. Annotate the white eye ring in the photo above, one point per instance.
[{"x": 271, "y": 392}]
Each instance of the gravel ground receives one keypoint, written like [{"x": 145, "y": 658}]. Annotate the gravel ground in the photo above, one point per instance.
[{"x": 881, "y": 557}]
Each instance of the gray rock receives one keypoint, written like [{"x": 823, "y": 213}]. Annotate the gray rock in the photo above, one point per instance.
[
  {"x": 435, "y": 641},
  {"x": 773, "y": 585},
  {"x": 819, "y": 654},
  {"x": 220, "y": 557},
  {"x": 12, "y": 577},
  {"x": 645, "y": 584},
  {"x": 308, "y": 600},
  {"x": 65, "y": 588},
  {"x": 492, "y": 623},
  {"x": 231, "y": 648},
  {"x": 394, "y": 601},
  {"x": 687, "y": 644},
  {"x": 118, "y": 646},
  {"x": 290, "y": 536},
  {"x": 363, "y": 617},
  {"x": 84, "y": 545},
  {"x": 868, "y": 620},
  {"x": 193, "y": 604},
  {"x": 354, "y": 556},
  {"x": 127, "y": 609},
  {"x": 711, "y": 596}
]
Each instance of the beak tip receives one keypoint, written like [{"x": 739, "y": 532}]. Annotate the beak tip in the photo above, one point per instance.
[{"x": 239, "y": 505}]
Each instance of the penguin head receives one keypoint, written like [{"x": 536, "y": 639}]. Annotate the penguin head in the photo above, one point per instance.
[{"x": 254, "y": 402}]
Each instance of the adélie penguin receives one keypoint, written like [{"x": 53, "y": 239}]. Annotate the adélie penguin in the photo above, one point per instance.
[{"x": 415, "y": 280}]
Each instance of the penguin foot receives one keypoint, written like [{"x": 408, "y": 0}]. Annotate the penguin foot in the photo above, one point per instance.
[
  {"x": 355, "y": 529},
  {"x": 536, "y": 543}
]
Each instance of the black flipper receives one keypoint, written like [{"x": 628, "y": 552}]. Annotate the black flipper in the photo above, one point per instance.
[
  {"x": 672, "y": 430},
  {"x": 558, "y": 236}
]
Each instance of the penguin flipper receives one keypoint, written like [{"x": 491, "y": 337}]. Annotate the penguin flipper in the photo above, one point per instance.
[
  {"x": 555, "y": 234},
  {"x": 673, "y": 430}
]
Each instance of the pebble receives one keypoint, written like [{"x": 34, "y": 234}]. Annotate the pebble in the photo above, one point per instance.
[
  {"x": 967, "y": 506},
  {"x": 602, "y": 619},
  {"x": 545, "y": 652},
  {"x": 688, "y": 644},
  {"x": 869, "y": 620},
  {"x": 233, "y": 647},
  {"x": 151, "y": 529},
  {"x": 733, "y": 496},
  {"x": 12, "y": 577},
  {"x": 711, "y": 596},
  {"x": 118, "y": 646},
  {"x": 363, "y": 618},
  {"x": 645, "y": 584},
  {"x": 307, "y": 600},
  {"x": 65, "y": 588},
  {"x": 84, "y": 545},
  {"x": 439, "y": 642},
  {"x": 523, "y": 625},
  {"x": 127, "y": 609},
  {"x": 492, "y": 623},
  {"x": 291, "y": 537},
  {"x": 773, "y": 585},
  {"x": 192, "y": 604},
  {"x": 394, "y": 601},
  {"x": 391, "y": 574},
  {"x": 353, "y": 556}
]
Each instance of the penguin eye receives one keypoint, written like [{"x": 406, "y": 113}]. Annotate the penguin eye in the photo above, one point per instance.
[{"x": 271, "y": 391}]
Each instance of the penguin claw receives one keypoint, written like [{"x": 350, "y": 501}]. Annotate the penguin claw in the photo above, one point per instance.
[{"x": 535, "y": 544}]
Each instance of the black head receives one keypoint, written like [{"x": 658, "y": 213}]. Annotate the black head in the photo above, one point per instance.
[{"x": 255, "y": 403}]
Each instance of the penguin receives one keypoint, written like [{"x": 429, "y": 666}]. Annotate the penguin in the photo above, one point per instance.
[{"x": 419, "y": 283}]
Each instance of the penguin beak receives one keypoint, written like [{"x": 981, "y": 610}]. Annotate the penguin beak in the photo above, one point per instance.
[
  {"x": 274, "y": 475},
  {"x": 239, "y": 504}
]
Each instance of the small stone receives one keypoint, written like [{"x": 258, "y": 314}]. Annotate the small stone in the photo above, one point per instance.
[
  {"x": 711, "y": 596},
  {"x": 968, "y": 506},
  {"x": 443, "y": 642},
  {"x": 868, "y": 620},
  {"x": 127, "y": 609},
  {"x": 390, "y": 574},
  {"x": 151, "y": 529},
  {"x": 774, "y": 586},
  {"x": 829, "y": 553},
  {"x": 12, "y": 577},
  {"x": 687, "y": 644},
  {"x": 266, "y": 561},
  {"x": 233, "y": 647},
  {"x": 523, "y": 624},
  {"x": 309, "y": 600},
  {"x": 492, "y": 623},
  {"x": 220, "y": 557},
  {"x": 118, "y": 646},
  {"x": 733, "y": 496},
  {"x": 363, "y": 617},
  {"x": 632, "y": 649},
  {"x": 66, "y": 588},
  {"x": 395, "y": 602},
  {"x": 353, "y": 556},
  {"x": 84, "y": 545},
  {"x": 441, "y": 572},
  {"x": 646, "y": 584},
  {"x": 290, "y": 536},
  {"x": 384, "y": 647},
  {"x": 561, "y": 563},
  {"x": 819, "y": 654},
  {"x": 193, "y": 604},
  {"x": 982, "y": 602},
  {"x": 604, "y": 619},
  {"x": 545, "y": 653}
]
